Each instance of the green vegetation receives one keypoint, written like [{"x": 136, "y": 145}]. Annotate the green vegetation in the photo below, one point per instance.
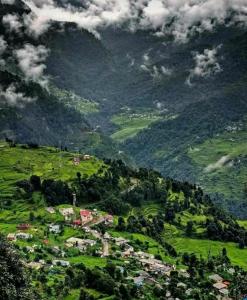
[
  {"x": 171, "y": 221},
  {"x": 71, "y": 100},
  {"x": 221, "y": 163},
  {"x": 18, "y": 163},
  {"x": 131, "y": 123}
]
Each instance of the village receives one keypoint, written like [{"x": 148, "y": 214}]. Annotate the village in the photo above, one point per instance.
[{"x": 148, "y": 270}]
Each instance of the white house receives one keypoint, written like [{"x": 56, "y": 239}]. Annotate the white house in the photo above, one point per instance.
[
  {"x": 23, "y": 235},
  {"x": 81, "y": 244},
  {"x": 63, "y": 263},
  {"x": 54, "y": 228},
  {"x": 11, "y": 237},
  {"x": 67, "y": 212},
  {"x": 50, "y": 210}
]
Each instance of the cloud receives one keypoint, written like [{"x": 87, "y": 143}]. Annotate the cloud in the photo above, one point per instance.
[
  {"x": 31, "y": 62},
  {"x": 156, "y": 72},
  {"x": 12, "y": 22},
  {"x": 3, "y": 45},
  {"x": 13, "y": 98},
  {"x": 10, "y": 2},
  {"x": 206, "y": 64},
  {"x": 223, "y": 161},
  {"x": 179, "y": 18}
]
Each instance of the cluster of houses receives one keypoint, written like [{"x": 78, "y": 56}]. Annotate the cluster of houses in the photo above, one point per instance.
[
  {"x": 220, "y": 285},
  {"x": 81, "y": 244},
  {"x": 86, "y": 216},
  {"x": 20, "y": 234},
  {"x": 78, "y": 159}
]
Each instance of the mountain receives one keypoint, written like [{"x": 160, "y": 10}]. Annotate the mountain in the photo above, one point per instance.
[
  {"x": 158, "y": 118},
  {"x": 143, "y": 235},
  {"x": 177, "y": 107}
]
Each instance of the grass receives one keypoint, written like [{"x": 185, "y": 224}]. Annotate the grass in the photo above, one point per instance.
[
  {"x": 73, "y": 101},
  {"x": 89, "y": 261},
  {"x": 227, "y": 179},
  {"x": 130, "y": 124},
  {"x": 204, "y": 247},
  {"x": 18, "y": 164}
]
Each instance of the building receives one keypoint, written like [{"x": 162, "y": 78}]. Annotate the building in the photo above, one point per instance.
[
  {"x": 121, "y": 241},
  {"x": 76, "y": 222},
  {"x": 50, "y": 210},
  {"x": 23, "y": 226},
  {"x": 76, "y": 161},
  {"x": 86, "y": 157},
  {"x": 68, "y": 213},
  {"x": 108, "y": 219},
  {"x": 54, "y": 228},
  {"x": 11, "y": 237},
  {"x": 86, "y": 216},
  {"x": 107, "y": 236},
  {"x": 63, "y": 263},
  {"x": 215, "y": 278},
  {"x": 219, "y": 286},
  {"x": 34, "y": 265},
  {"x": 23, "y": 236},
  {"x": 81, "y": 244}
]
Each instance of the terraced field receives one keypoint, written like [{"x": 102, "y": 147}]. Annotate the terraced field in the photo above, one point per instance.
[
  {"x": 18, "y": 163},
  {"x": 222, "y": 164},
  {"x": 129, "y": 124}
]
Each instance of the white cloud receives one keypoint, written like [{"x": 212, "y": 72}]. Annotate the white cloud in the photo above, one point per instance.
[
  {"x": 3, "y": 45},
  {"x": 10, "y": 2},
  {"x": 14, "y": 98},
  {"x": 223, "y": 161},
  {"x": 206, "y": 64},
  {"x": 180, "y": 18},
  {"x": 156, "y": 72},
  {"x": 31, "y": 62},
  {"x": 12, "y": 22}
]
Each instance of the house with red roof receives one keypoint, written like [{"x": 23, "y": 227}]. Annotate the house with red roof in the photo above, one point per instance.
[
  {"x": 77, "y": 222},
  {"x": 86, "y": 216},
  {"x": 23, "y": 226}
]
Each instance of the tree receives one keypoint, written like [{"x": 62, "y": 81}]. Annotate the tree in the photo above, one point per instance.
[
  {"x": 35, "y": 182},
  {"x": 189, "y": 228},
  {"x": 121, "y": 224},
  {"x": 14, "y": 283},
  {"x": 78, "y": 174}
]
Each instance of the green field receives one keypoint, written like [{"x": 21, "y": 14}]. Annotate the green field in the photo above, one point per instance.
[
  {"x": 130, "y": 124},
  {"x": 204, "y": 247},
  {"x": 73, "y": 101},
  {"x": 221, "y": 163},
  {"x": 17, "y": 164}
]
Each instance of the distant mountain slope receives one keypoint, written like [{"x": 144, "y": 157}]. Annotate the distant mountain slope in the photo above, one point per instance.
[{"x": 111, "y": 72}]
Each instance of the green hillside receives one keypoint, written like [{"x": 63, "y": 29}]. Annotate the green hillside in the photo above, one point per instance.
[{"x": 150, "y": 213}]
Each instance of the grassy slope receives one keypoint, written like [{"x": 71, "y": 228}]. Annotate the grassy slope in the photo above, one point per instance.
[
  {"x": 226, "y": 180},
  {"x": 18, "y": 164},
  {"x": 130, "y": 124}
]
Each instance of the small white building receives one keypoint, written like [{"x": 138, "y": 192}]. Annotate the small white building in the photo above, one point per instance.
[
  {"x": 215, "y": 278},
  {"x": 11, "y": 237},
  {"x": 54, "y": 228},
  {"x": 23, "y": 236},
  {"x": 63, "y": 263},
  {"x": 81, "y": 244},
  {"x": 68, "y": 213},
  {"x": 121, "y": 241},
  {"x": 50, "y": 210},
  {"x": 34, "y": 265}
]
